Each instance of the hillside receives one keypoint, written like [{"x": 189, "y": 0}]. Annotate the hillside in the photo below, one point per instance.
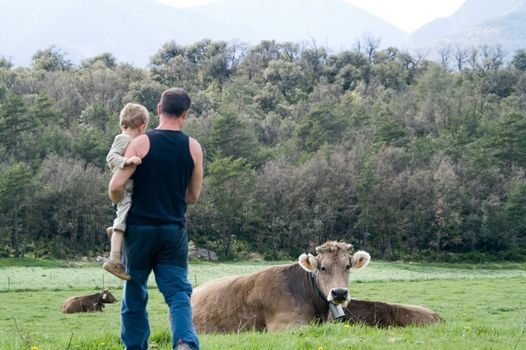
[
  {"x": 332, "y": 23},
  {"x": 477, "y": 22},
  {"x": 132, "y": 30}
]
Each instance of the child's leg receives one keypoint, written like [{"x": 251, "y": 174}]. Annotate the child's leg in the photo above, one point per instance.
[
  {"x": 116, "y": 245},
  {"x": 114, "y": 265},
  {"x": 119, "y": 226}
]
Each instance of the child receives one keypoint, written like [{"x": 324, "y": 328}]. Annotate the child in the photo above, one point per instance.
[{"x": 134, "y": 119}]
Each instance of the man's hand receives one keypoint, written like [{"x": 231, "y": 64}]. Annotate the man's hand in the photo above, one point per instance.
[{"x": 133, "y": 160}]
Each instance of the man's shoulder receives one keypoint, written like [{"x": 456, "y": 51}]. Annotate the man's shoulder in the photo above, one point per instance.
[
  {"x": 193, "y": 142},
  {"x": 139, "y": 146}
]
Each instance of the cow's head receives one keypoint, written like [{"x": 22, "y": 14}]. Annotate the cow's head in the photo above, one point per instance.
[
  {"x": 331, "y": 266},
  {"x": 106, "y": 297}
]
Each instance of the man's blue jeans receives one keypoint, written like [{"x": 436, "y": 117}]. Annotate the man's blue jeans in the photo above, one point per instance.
[{"x": 163, "y": 249}]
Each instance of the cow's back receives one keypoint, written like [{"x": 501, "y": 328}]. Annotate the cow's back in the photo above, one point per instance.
[
  {"x": 240, "y": 303},
  {"x": 86, "y": 303},
  {"x": 382, "y": 314},
  {"x": 222, "y": 306},
  {"x": 72, "y": 305}
]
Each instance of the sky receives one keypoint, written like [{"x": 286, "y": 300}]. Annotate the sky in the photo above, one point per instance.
[{"x": 407, "y": 15}]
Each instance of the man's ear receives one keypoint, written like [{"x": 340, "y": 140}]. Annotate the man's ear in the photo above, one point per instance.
[
  {"x": 159, "y": 109},
  {"x": 308, "y": 262},
  {"x": 360, "y": 259}
]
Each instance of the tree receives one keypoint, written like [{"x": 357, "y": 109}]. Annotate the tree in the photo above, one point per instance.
[
  {"x": 312, "y": 62},
  {"x": 97, "y": 115},
  {"x": 370, "y": 45},
  {"x": 147, "y": 93},
  {"x": 515, "y": 212},
  {"x": 14, "y": 121},
  {"x": 258, "y": 58},
  {"x": 230, "y": 136},
  {"x": 5, "y": 63},
  {"x": 492, "y": 57},
  {"x": 287, "y": 77},
  {"x": 446, "y": 209},
  {"x": 105, "y": 59},
  {"x": 91, "y": 145},
  {"x": 230, "y": 187},
  {"x": 71, "y": 209},
  {"x": 509, "y": 140},
  {"x": 15, "y": 194},
  {"x": 50, "y": 60},
  {"x": 519, "y": 60},
  {"x": 322, "y": 125},
  {"x": 461, "y": 57},
  {"x": 445, "y": 55}
]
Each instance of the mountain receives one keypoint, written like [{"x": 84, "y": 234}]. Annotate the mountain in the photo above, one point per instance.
[
  {"x": 133, "y": 30},
  {"x": 332, "y": 23},
  {"x": 477, "y": 22}
]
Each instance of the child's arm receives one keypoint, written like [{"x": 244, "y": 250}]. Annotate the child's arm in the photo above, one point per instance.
[
  {"x": 138, "y": 148},
  {"x": 116, "y": 158}
]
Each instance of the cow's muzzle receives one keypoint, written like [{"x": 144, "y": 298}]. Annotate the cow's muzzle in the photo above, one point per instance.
[{"x": 338, "y": 295}]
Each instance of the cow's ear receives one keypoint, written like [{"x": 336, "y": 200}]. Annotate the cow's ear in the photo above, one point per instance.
[
  {"x": 308, "y": 262},
  {"x": 360, "y": 259}
]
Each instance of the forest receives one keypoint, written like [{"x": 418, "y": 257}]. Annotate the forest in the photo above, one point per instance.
[{"x": 400, "y": 155}]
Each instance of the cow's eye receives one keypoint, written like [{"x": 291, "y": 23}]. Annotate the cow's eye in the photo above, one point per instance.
[
  {"x": 323, "y": 269},
  {"x": 348, "y": 267}
]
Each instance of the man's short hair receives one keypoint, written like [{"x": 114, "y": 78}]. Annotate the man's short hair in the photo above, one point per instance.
[
  {"x": 133, "y": 115},
  {"x": 174, "y": 101}
]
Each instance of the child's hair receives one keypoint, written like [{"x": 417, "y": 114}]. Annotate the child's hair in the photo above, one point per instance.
[{"x": 133, "y": 115}]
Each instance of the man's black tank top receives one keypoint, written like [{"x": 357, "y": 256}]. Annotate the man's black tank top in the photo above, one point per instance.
[{"x": 160, "y": 182}]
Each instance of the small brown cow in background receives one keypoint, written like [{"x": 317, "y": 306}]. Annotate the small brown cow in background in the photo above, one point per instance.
[{"x": 88, "y": 303}]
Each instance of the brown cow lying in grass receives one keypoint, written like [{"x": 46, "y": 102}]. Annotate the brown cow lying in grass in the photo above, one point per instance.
[
  {"x": 88, "y": 303},
  {"x": 377, "y": 313},
  {"x": 278, "y": 297}
]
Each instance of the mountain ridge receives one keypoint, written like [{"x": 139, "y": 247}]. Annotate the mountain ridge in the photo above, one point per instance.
[
  {"x": 476, "y": 23},
  {"x": 134, "y": 30}
]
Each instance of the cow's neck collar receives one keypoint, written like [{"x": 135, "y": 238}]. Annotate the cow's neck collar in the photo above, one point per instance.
[
  {"x": 317, "y": 287},
  {"x": 336, "y": 310}
]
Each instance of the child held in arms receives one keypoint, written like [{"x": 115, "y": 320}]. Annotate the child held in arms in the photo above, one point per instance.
[{"x": 133, "y": 119}]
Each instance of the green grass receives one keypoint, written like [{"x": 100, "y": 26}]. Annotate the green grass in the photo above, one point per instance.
[
  {"x": 92, "y": 276},
  {"x": 10, "y": 262},
  {"x": 484, "y": 308}
]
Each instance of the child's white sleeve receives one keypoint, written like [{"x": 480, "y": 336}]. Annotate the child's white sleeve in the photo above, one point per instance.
[{"x": 115, "y": 157}]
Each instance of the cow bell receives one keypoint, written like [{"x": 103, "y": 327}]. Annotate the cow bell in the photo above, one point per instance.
[{"x": 337, "y": 312}]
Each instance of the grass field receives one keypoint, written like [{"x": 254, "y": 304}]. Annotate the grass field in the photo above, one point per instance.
[{"x": 484, "y": 307}]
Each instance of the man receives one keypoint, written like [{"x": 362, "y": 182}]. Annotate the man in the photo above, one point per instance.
[{"x": 170, "y": 177}]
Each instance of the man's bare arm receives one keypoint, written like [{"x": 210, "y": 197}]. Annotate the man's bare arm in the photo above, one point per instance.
[
  {"x": 118, "y": 182},
  {"x": 137, "y": 148},
  {"x": 194, "y": 187}
]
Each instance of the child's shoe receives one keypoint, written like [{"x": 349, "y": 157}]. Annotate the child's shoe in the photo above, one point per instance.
[{"x": 116, "y": 268}]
